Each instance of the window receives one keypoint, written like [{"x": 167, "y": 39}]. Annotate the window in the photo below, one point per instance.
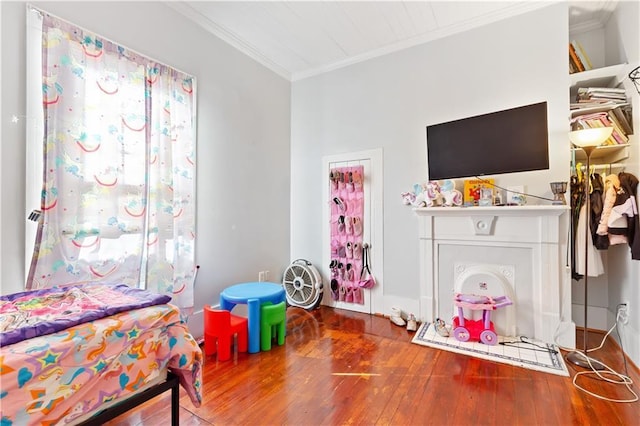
[{"x": 117, "y": 173}]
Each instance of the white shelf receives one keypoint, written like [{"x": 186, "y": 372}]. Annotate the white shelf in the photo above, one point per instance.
[
  {"x": 604, "y": 154},
  {"x": 593, "y": 109},
  {"x": 610, "y": 76}
]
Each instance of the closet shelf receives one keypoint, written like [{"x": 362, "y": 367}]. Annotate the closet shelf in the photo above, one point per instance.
[
  {"x": 599, "y": 168},
  {"x": 610, "y": 76},
  {"x": 599, "y": 108},
  {"x": 604, "y": 154}
]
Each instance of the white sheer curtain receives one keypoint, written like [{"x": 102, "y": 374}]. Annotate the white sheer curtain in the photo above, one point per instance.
[{"x": 118, "y": 178}]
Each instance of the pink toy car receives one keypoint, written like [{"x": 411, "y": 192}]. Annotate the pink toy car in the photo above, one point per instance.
[{"x": 478, "y": 330}]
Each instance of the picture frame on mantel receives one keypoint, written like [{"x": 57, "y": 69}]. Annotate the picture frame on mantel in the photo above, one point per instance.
[{"x": 515, "y": 196}]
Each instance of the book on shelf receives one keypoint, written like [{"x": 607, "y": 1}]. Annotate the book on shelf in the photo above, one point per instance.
[
  {"x": 573, "y": 57},
  {"x": 617, "y": 132},
  {"x": 582, "y": 55},
  {"x": 623, "y": 115},
  {"x": 591, "y": 108},
  {"x": 474, "y": 189},
  {"x": 601, "y": 119},
  {"x": 616, "y": 117},
  {"x": 603, "y": 89},
  {"x": 618, "y": 127},
  {"x": 597, "y": 101},
  {"x": 605, "y": 93},
  {"x": 593, "y": 103}
]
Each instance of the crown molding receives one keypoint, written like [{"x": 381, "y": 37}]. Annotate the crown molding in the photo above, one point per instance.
[
  {"x": 228, "y": 37},
  {"x": 600, "y": 21},
  {"x": 520, "y": 8}
]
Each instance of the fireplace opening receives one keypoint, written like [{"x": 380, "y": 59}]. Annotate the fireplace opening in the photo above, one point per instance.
[
  {"x": 492, "y": 281},
  {"x": 488, "y": 271}
]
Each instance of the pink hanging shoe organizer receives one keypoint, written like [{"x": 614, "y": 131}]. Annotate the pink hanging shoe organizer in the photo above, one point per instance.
[{"x": 347, "y": 221}]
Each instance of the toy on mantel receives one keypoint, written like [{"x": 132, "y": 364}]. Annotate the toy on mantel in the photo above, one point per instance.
[{"x": 432, "y": 194}]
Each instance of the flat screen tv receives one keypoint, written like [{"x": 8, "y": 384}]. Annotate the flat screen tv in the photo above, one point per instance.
[{"x": 512, "y": 140}]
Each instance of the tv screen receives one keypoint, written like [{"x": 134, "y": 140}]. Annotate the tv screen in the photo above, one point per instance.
[{"x": 512, "y": 140}]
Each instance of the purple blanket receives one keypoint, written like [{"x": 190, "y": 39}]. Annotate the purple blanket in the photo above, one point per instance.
[{"x": 38, "y": 312}]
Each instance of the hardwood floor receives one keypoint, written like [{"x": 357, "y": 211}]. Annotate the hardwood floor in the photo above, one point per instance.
[{"x": 339, "y": 367}]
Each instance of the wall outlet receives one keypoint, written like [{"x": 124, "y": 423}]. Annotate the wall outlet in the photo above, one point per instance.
[
  {"x": 623, "y": 312},
  {"x": 263, "y": 276}
]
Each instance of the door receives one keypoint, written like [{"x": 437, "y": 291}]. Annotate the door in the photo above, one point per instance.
[{"x": 342, "y": 239}]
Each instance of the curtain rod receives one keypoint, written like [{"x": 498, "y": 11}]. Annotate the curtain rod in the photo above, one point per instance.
[
  {"x": 42, "y": 13},
  {"x": 602, "y": 166}
]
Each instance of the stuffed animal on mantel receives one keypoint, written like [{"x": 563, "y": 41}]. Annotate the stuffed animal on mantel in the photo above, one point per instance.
[
  {"x": 432, "y": 194},
  {"x": 450, "y": 195}
]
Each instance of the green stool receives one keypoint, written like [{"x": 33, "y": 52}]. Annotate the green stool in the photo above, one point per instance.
[{"x": 273, "y": 321}]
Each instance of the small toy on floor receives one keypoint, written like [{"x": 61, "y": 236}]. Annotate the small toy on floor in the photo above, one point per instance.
[
  {"x": 481, "y": 330},
  {"x": 396, "y": 317},
  {"x": 441, "y": 328},
  {"x": 412, "y": 323}
]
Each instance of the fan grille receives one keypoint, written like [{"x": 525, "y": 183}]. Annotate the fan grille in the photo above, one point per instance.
[
  {"x": 302, "y": 285},
  {"x": 298, "y": 284}
]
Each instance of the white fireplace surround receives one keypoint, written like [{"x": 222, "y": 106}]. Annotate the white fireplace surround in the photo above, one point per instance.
[{"x": 523, "y": 247}]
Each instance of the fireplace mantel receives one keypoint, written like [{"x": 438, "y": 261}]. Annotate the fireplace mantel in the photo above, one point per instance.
[{"x": 529, "y": 240}]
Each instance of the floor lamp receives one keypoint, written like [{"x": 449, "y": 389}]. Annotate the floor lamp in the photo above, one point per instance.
[{"x": 587, "y": 140}]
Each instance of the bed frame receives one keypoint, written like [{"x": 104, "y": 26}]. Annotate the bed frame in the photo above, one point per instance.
[{"x": 172, "y": 382}]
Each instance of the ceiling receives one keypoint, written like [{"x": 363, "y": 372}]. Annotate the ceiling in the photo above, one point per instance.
[{"x": 298, "y": 39}]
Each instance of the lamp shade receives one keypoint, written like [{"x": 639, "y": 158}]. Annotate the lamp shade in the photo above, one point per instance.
[{"x": 590, "y": 137}]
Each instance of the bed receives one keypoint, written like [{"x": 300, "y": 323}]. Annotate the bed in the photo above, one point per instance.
[{"x": 83, "y": 354}]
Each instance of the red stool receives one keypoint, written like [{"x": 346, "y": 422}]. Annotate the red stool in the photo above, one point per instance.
[{"x": 219, "y": 327}]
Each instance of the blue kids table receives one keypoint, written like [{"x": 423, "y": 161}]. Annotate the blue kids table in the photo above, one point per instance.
[{"x": 253, "y": 295}]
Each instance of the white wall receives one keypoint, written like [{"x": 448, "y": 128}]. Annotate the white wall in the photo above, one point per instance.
[
  {"x": 246, "y": 169},
  {"x": 12, "y": 149},
  {"x": 3, "y": 122},
  {"x": 387, "y": 102},
  {"x": 243, "y": 140}
]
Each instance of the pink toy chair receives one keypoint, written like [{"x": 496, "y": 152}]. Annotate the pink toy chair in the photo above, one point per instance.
[{"x": 219, "y": 328}]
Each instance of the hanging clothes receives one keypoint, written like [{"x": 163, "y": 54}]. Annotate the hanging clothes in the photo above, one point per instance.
[
  {"x": 596, "y": 267},
  {"x": 623, "y": 221},
  {"x": 619, "y": 221},
  {"x": 576, "y": 191},
  {"x": 596, "y": 198},
  {"x": 612, "y": 186},
  {"x": 614, "y": 219},
  {"x": 578, "y": 209}
]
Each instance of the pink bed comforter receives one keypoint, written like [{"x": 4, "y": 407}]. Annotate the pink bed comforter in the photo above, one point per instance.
[{"x": 54, "y": 379}]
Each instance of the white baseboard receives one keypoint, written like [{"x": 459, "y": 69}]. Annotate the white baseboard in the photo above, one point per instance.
[
  {"x": 596, "y": 317},
  {"x": 602, "y": 319},
  {"x": 196, "y": 324},
  {"x": 406, "y": 305},
  {"x": 630, "y": 339}
]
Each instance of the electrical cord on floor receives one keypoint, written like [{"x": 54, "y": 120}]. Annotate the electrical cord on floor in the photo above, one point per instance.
[
  {"x": 613, "y": 376},
  {"x": 525, "y": 341},
  {"x": 624, "y": 357}
]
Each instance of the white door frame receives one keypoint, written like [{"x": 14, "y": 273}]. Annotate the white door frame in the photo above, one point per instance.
[{"x": 373, "y": 224}]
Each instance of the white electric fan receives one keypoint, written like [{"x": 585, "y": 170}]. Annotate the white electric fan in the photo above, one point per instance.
[{"x": 302, "y": 284}]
